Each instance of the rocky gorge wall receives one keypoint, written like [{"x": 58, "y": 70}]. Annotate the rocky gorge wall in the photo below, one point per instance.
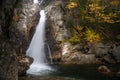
[
  {"x": 17, "y": 25},
  {"x": 62, "y": 50},
  {"x": 8, "y": 58},
  {"x": 17, "y": 19}
]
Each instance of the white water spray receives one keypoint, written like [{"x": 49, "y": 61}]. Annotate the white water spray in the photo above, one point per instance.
[
  {"x": 36, "y": 48},
  {"x": 49, "y": 52},
  {"x": 35, "y": 1}
]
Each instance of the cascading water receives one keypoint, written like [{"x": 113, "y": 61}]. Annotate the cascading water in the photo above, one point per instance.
[
  {"x": 36, "y": 47},
  {"x": 49, "y": 53},
  {"x": 35, "y": 1}
]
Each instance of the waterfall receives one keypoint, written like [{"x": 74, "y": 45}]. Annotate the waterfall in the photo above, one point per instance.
[
  {"x": 49, "y": 53},
  {"x": 35, "y": 1},
  {"x": 36, "y": 47}
]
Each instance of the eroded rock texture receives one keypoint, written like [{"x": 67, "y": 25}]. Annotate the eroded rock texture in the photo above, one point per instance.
[{"x": 8, "y": 58}]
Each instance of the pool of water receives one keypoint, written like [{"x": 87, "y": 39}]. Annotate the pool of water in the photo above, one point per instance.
[{"x": 70, "y": 72}]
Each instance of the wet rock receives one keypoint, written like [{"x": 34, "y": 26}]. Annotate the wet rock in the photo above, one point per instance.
[
  {"x": 107, "y": 71},
  {"x": 23, "y": 65},
  {"x": 104, "y": 69},
  {"x": 116, "y": 53}
]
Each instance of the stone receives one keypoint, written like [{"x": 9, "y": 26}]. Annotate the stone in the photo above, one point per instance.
[
  {"x": 104, "y": 69},
  {"x": 107, "y": 71},
  {"x": 87, "y": 59},
  {"x": 15, "y": 25},
  {"x": 116, "y": 53},
  {"x": 23, "y": 65},
  {"x": 66, "y": 48},
  {"x": 60, "y": 23}
]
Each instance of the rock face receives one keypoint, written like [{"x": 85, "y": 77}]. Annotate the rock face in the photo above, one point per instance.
[
  {"x": 22, "y": 28},
  {"x": 17, "y": 25},
  {"x": 18, "y": 20},
  {"x": 23, "y": 65},
  {"x": 116, "y": 53},
  {"x": 57, "y": 33},
  {"x": 55, "y": 28},
  {"x": 8, "y": 62},
  {"x": 8, "y": 58}
]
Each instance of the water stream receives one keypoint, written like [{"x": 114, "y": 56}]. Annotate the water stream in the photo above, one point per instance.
[
  {"x": 49, "y": 53},
  {"x": 36, "y": 47}
]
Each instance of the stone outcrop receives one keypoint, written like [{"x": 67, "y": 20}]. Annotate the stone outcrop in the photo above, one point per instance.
[
  {"x": 56, "y": 31},
  {"x": 17, "y": 24},
  {"x": 8, "y": 62},
  {"x": 8, "y": 58},
  {"x": 23, "y": 65},
  {"x": 107, "y": 71}
]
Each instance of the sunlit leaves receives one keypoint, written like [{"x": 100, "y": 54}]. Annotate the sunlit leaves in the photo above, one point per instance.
[
  {"x": 95, "y": 7},
  {"x": 74, "y": 39},
  {"x": 92, "y": 35},
  {"x": 103, "y": 11},
  {"x": 72, "y": 4},
  {"x": 79, "y": 28},
  {"x": 115, "y": 3},
  {"x": 76, "y": 33},
  {"x": 97, "y": 15}
]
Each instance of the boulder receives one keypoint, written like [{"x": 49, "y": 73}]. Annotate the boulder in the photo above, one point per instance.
[
  {"x": 104, "y": 69},
  {"x": 87, "y": 59},
  {"x": 116, "y": 53},
  {"x": 23, "y": 65},
  {"x": 107, "y": 71}
]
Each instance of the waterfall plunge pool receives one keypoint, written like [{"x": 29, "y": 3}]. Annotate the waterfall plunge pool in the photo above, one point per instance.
[{"x": 70, "y": 72}]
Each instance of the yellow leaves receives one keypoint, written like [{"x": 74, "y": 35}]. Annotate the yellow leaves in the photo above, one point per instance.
[
  {"x": 79, "y": 28},
  {"x": 115, "y": 3},
  {"x": 95, "y": 7},
  {"x": 74, "y": 39},
  {"x": 91, "y": 35},
  {"x": 108, "y": 17},
  {"x": 76, "y": 34},
  {"x": 71, "y": 5}
]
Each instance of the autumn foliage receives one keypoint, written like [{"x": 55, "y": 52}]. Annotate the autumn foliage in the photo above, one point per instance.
[{"x": 93, "y": 20}]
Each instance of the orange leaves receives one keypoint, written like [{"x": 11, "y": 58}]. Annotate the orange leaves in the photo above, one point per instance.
[{"x": 15, "y": 18}]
